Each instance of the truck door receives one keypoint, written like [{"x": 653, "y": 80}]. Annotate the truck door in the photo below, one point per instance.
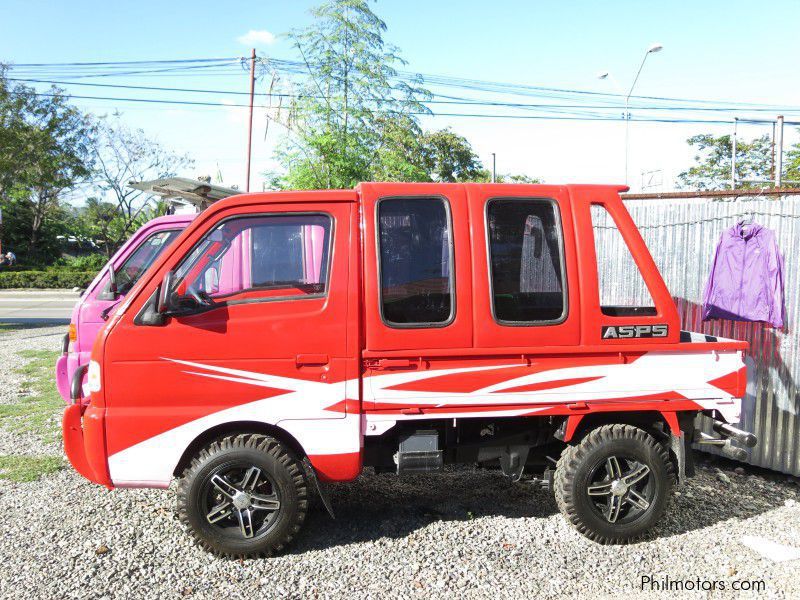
[
  {"x": 267, "y": 337},
  {"x": 417, "y": 285},
  {"x": 526, "y": 277},
  {"x": 526, "y": 301}
]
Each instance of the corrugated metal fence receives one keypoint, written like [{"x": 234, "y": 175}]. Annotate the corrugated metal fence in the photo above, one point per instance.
[{"x": 682, "y": 235}]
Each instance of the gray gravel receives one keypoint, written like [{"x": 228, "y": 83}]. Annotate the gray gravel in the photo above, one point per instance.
[
  {"x": 465, "y": 533},
  {"x": 11, "y": 383}
]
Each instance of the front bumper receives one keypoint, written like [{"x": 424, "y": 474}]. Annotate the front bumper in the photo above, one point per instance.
[{"x": 84, "y": 442}]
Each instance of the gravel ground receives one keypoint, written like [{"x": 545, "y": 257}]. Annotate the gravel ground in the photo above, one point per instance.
[{"x": 465, "y": 533}]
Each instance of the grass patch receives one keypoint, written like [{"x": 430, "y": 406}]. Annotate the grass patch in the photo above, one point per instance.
[
  {"x": 38, "y": 410},
  {"x": 28, "y": 468}
]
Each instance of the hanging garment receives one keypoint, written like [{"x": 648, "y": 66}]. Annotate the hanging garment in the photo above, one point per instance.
[{"x": 746, "y": 280}]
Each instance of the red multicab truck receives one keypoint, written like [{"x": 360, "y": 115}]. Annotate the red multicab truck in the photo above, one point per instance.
[{"x": 290, "y": 338}]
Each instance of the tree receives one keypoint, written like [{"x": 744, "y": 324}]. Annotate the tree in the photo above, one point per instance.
[
  {"x": 99, "y": 222},
  {"x": 792, "y": 165},
  {"x": 351, "y": 119},
  {"x": 712, "y": 168},
  {"x": 448, "y": 157},
  {"x": 122, "y": 155},
  {"x": 399, "y": 157},
  {"x": 441, "y": 156},
  {"x": 350, "y": 104},
  {"x": 517, "y": 178},
  {"x": 45, "y": 151}
]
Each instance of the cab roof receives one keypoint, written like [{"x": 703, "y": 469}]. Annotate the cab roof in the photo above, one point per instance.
[{"x": 392, "y": 188}]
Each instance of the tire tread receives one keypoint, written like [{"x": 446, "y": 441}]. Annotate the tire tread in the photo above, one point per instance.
[
  {"x": 573, "y": 456},
  {"x": 249, "y": 441}
]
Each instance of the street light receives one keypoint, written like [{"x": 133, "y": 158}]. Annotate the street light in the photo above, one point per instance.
[
  {"x": 605, "y": 75},
  {"x": 651, "y": 50}
]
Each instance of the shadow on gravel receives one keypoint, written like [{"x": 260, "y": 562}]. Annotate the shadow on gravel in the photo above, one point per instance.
[
  {"x": 388, "y": 506},
  {"x": 723, "y": 490},
  {"x": 385, "y": 505}
]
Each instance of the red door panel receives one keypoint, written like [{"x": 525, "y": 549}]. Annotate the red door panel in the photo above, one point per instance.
[
  {"x": 456, "y": 334},
  {"x": 285, "y": 358},
  {"x": 489, "y": 333}
]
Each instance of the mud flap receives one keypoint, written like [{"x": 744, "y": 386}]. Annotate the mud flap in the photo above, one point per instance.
[
  {"x": 678, "y": 447},
  {"x": 312, "y": 474}
]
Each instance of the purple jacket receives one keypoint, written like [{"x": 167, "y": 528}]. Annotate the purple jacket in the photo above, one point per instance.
[{"x": 746, "y": 280}]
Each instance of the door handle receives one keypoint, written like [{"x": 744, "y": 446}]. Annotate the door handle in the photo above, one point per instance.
[
  {"x": 311, "y": 360},
  {"x": 393, "y": 363}
]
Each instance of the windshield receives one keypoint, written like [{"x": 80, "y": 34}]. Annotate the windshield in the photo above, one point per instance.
[{"x": 138, "y": 262}]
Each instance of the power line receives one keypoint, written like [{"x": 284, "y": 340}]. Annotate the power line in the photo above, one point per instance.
[
  {"x": 429, "y": 114},
  {"x": 292, "y": 66},
  {"x": 575, "y": 109},
  {"x": 446, "y": 99},
  {"x": 128, "y": 62}
]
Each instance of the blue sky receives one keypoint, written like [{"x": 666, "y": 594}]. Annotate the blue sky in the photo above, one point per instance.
[{"x": 727, "y": 51}]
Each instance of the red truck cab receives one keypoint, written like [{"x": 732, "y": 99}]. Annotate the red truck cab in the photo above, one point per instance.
[{"x": 290, "y": 337}]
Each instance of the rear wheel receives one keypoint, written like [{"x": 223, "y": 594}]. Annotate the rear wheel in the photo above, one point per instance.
[
  {"x": 243, "y": 495},
  {"x": 615, "y": 484}
]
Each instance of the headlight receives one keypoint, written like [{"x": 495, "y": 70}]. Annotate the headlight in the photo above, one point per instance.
[{"x": 93, "y": 377}]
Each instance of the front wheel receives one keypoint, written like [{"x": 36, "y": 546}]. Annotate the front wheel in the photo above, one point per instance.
[
  {"x": 615, "y": 484},
  {"x": 243, "y": 495}
]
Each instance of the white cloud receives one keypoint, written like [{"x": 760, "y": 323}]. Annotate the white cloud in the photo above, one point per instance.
[{"x": 257, "y": 37}]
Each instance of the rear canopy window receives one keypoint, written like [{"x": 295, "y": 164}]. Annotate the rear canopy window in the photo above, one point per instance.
[
  {"x": 415, "y": 251},
  {"x": 525, "y": 253},
  {"x": 623, "y": 291}
]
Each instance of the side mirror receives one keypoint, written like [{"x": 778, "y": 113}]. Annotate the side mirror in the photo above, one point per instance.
[
  {"x": 110, "y": 290},
  {"x": 165, "y": 294},
  {"x": 113, "y": 288}
]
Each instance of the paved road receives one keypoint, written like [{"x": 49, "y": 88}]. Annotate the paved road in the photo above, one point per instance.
[{"x": 36, "y": 306}]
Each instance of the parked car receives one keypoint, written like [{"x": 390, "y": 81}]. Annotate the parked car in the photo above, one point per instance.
[
  {"x": 289, "y": 338},
  {"x": 108, "y": 289}
]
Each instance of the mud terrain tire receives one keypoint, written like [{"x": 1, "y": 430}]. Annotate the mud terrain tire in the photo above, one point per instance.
[
  {"x": 615, "y": 484},
  {"x": 243, "y": 495}
]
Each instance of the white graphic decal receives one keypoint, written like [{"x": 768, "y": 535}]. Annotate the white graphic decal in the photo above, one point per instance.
[{"x": 313, "y": 412}]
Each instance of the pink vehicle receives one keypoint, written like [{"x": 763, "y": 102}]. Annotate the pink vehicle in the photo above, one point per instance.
[
  {"x": 125, "y": 268},
  {"x": 102, "y": 296}
]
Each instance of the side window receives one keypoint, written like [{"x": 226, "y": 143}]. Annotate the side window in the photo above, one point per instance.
[
  {"x": 622, "y": 288},
  {"x": 139, "y": 261},
  {"x": 415, "y": 252},
  {"x": 259, "y": 257},
  {"x": 526, "y": 261}
]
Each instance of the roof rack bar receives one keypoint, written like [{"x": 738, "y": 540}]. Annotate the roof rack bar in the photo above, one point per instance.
[{"x": 714, "y": 194}]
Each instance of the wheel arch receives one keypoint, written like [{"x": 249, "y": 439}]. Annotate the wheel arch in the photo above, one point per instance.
[
  {"x": 651, "y": 421},
  {"x": 656, "y": 423},
  {"x": 224, "y": 429}
]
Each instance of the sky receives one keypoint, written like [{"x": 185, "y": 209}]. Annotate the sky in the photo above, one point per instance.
[{"x": 726, "y": 51}]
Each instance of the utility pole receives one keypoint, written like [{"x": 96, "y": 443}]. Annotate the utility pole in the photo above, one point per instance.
[
  {"x": 779, "y": 152},
  {"x": 250, "y": 121},
  {"x": 494, "y": 167},
  {"x": 733, "y": 154},
  {"x": 772, "y": 155}
]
